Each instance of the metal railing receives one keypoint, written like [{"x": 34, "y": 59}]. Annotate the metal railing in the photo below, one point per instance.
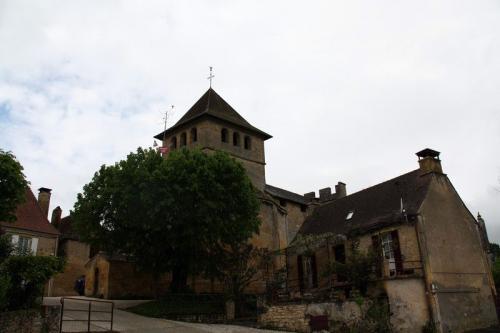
[{"x": 86, "y": 315}]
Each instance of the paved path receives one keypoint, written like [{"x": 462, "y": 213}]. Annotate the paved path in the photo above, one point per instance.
[{"x": 128, "y": 322}]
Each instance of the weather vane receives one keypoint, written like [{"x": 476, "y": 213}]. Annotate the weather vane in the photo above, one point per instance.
[{"x": 211, "y": 76}]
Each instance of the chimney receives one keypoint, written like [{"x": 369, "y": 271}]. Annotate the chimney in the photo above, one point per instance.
[
  {"x": 340, "y": 190},
  {"x": 56, "y": 217},
  {"x": 429, "y": 161},
  {"x": 44, "y": 200},
  {"x": 325, "y": 194},
  {"x": 310, "y": 196}
]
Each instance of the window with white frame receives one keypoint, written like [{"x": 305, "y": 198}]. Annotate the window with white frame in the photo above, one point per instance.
[{"x": 24, "y": 245}]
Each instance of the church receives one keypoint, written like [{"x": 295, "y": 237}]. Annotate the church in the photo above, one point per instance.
[{"x": 434, "y": 264}]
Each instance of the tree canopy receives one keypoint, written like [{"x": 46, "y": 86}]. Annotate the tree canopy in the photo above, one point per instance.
[
  {"x": 169, "y": 215},
  {"x": 12, "y": 185}
]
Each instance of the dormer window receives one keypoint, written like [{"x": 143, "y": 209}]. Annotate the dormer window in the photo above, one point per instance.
[
  {"x": 223, "y": 135},
  {"x": 248, "y": 142},
  {"x": 236, "y": 139},
  {"x": 349, "y": 215}
]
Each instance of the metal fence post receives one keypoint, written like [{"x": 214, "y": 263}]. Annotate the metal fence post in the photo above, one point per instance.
[
  {"x": 90, "y": 309},
  {"x": 61, "y": 315}
]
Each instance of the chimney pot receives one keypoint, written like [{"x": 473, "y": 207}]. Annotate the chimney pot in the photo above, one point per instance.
[
  {"x": 340, "y": 190},
  {"x": 44, "y": 200}
]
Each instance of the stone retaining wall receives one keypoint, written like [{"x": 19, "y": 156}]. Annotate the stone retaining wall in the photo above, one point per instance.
[{"x": 295, "y": 317}]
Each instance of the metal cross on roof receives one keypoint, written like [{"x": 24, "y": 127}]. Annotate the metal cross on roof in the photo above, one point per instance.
[{"x": 211, "y": 76}]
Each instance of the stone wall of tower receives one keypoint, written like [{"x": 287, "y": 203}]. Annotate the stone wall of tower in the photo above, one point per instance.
[{"x": 209, "y": 137}]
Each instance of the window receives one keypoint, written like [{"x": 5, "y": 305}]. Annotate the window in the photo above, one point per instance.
[
  {"x": 194, "y": 134},
  {"x": 173, "y": 143},
  {"x": 236, "y": 139},
  {"x": 303, "y": 208},
  {"x": 387, "y": 245},
  {"x": 223, "y": 135},
  {"x": 339, "y": 254},
  {"x": 183, "y": 139},
  {"x": 24, "y": 245},
  {"x": 307, "y": 270},
  {"x": 248, "y": 142}
]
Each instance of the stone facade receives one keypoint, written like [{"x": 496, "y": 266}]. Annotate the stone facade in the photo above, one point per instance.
[{"x": 77, "y": 255}]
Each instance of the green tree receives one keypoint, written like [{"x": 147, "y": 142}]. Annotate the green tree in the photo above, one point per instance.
[
  {"x": 12, "y": 185},
  {"x": 169, "y": 215}
]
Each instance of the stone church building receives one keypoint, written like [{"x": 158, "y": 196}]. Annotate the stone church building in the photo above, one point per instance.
[{"x": 433, "y": 249}]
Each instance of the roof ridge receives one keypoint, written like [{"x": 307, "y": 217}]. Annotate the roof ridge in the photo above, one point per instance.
[{"x": 371, "y": 187}]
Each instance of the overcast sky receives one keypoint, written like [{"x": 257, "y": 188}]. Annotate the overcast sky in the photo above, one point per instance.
[{"x": 350, "y": 90}]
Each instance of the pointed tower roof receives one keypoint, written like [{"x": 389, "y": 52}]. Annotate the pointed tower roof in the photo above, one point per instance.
[{"x": 212, "y": 105}]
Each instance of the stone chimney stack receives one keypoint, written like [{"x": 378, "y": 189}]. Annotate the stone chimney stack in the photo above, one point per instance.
[
  {"x": 429, "y": 161},
  {"x": 340, "y": 190},
  {"x": 56, "y": 217},
  {"x": 311, "y": 196},
  {"x": 325, "y": 194},
  {"x": 44, "y": 200}
]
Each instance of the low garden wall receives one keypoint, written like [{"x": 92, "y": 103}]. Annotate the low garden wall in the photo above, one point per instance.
[{"x": 341, "y": 316}]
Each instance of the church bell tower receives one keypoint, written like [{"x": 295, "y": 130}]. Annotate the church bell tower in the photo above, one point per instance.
[{"x": 212, "y": 124}]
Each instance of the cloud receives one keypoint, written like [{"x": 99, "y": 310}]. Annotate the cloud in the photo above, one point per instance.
[{"x": 349, "y": 90}]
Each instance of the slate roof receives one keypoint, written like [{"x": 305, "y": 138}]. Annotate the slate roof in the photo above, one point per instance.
[
  {"x": 372, "y": 208},
  {"x": 212, "y": 105},
  {"x": 284, "y": 194},
  {"x": 30, "y": 217}
]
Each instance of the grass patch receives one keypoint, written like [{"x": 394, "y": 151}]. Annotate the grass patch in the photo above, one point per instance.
[{"x": 174, "y": 305}]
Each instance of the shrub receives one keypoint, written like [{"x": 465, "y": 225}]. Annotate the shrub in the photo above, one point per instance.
[{"x": 22, "y": 279}]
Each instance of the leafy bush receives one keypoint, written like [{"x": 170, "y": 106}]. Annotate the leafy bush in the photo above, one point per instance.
[
  {"x": 358, "y": 269},
  {"x": 22, "y": 279}
]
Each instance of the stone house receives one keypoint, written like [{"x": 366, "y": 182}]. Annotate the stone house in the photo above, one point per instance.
[
  {"x": 432, "y": 263},
  {"x": 32, "y": 232}
]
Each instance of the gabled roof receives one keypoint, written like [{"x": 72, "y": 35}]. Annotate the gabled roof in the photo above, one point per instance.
[
  {"x": 284, "y": 194},
  {"x": 212, "y": 105},
  {"x": 371, "y": 208},
  {"x": 30, "y": 217}
]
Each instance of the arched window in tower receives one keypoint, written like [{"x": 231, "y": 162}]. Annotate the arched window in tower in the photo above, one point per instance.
[
  {"x": 173, "y": 143},
  {"x": 236, "y": 139},
  {"x": 248, "y": 142},
  {"x": 194, "y": 134},
  {"x": 183, "y": 139},
  {"x": 223, "y": 135}
]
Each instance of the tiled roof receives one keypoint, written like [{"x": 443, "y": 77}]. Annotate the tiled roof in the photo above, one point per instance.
[
  {"x": 211, "y": 104},
  {"x": 30, "y": 217},
  {"x": 284, "y": 194},
  {"x": 371, "y": 208}
]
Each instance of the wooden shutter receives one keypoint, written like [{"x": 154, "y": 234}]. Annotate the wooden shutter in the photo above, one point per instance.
[
  {"x": 34, "y": 245},
  {"x": 314, "y": 270},
  {"x": 378, "y": 252},
  {"x": 300, "y": 270},
  {"x": 398, "y": 258}
]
